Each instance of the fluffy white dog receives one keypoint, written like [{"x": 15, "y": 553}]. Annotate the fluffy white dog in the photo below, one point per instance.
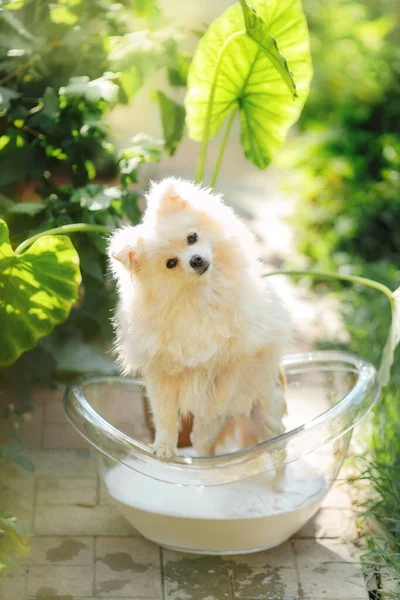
[{"x": 196, "y": 318}]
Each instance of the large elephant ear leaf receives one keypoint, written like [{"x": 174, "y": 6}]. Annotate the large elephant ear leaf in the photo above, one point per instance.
[
  {"x": 254, "y": 73},
  {"x": 37, "y": 290}
]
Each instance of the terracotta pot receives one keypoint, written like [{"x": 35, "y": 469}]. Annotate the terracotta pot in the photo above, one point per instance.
[{"x": 27, "y": 190}]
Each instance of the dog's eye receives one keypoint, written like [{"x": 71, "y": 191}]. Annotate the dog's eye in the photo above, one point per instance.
[
  {"x": 171, "y": 263},
  {"x": 192, "y": 238}
]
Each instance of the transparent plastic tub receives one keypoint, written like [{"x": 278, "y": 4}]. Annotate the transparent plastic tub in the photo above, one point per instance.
[{"x": 227, "y": 504}]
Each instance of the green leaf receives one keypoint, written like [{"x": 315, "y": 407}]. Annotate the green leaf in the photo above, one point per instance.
[
  {"x": 6, "y": 95},
  {"x": 93, "y": 91},
  {"x": 95, "y": 196},
  {"x": 37, "y": 290},
  {"x": 247, "y": 80},
  {"x": 91, "y": 264},
  {"x": 177, "y": 75},
  {"x": 50, "y": 103},
  {"x": 62, "y": 15},
  {"x": 173, "y": 121},
  {"x": 144, "y": 149},
  {"x": 130, "y": 206},
  {"x": 26, "y": 208},
  {"x": 18, "y": 527},
  {"x": 258, "y": 30},
  {"x": 15, "y": 166},
  {"x": 131, "y": 81},
  {"x": 145, "y": 8}
]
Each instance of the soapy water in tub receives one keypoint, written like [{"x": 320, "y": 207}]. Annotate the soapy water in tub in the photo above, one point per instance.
[
  {"x": 242, "y": 516},
  {"x": 247, "y": 515}
]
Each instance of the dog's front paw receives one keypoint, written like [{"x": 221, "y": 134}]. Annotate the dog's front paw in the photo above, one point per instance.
[{"x": 164, "y": 452}]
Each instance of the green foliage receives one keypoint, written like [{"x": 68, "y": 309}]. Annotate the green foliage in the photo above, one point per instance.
[
  {"x": 353, "y": 186},
  {"x": 353, "y": 56},
  {"x": 348, "y": 213},
  {"x": 173, "y": 121},
  {"x": 38, "y": 289},
  {"x": 54, "y": 141},
  {"x": 13, "y": 541},
  {"x": 141, "y": 53},
  {"x": 13, "y": 537},
  {"x": 231, "y": 71},
  {"x": 143, "y": 149}
]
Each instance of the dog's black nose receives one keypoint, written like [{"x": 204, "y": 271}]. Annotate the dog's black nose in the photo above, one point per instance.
[{"x": 199, "y": 264}]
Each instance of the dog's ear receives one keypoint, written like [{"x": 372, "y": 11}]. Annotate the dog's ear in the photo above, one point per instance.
[
  {"x": 169, "y": 198},
  {"x": 127, "y": 256},
  {"x": 124, "y": 248}
]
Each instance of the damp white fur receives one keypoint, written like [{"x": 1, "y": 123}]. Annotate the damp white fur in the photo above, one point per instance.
[{"x": 196, "y": 319}]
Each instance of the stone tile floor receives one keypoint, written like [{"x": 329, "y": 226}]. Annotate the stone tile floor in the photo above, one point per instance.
[{"x": 81, "y": 548}]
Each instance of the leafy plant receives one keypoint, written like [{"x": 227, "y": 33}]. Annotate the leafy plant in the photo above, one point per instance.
[
  {"x": 13, "y": 537},
  {"x": 57, "y": 157},
  {"x": 237, "y": 67},
  {"x": 38, "y": 289},
  {"x": 52, "y": 128},
  {"x": 13, "y": 541},
  {"x": 349, "y": 206}
]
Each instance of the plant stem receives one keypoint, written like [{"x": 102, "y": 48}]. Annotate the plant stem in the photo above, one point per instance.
[
  {"x": 63, "y": 229},
  {"x": 350, "y": 278},
  {"x": 222, "y": 148},
  {"x": 383, "y": 375},
  {"x": 207, "y": 122}
]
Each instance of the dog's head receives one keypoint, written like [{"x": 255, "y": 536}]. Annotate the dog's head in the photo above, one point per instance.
[{"x": 186, "y": 234}]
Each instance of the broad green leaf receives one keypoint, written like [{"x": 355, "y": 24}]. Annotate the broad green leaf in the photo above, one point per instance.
[
  {"x": 248, "y": 81},
  {"x": 258, "y": 30},
  {"x": 173, "y": 121},
  {"x": 37, "y": 291},
  {"x": 6, "y": 95}
]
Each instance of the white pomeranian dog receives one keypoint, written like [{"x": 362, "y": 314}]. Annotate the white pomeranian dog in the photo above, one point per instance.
[{"x": 196, "y": 318}]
